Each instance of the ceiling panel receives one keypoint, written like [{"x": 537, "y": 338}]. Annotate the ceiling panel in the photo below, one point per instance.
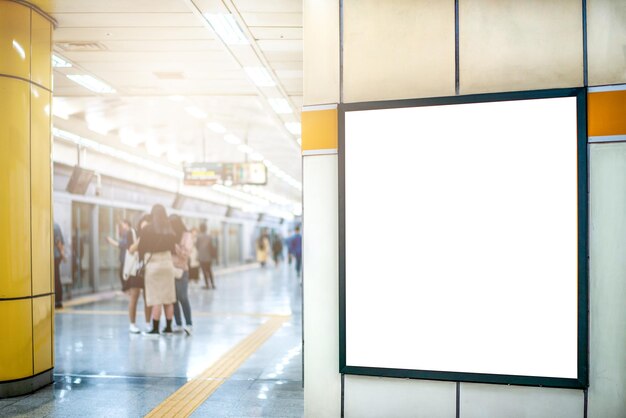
[
  {"x": 281, "y": 56},
  {"x": 161, "y": 45},
  {"x": 276, "y": 33},
  {"x": 273, "y": 19},
  {"x": 151, "y": 52},
  {"x": 275, "y": 6},
  {"x": 297, "y": 73},
  {"x": 187, "y": 57},
  {"x": 280, "y": 45},
  {"x": 113, "y": 20},
  {"x": 160, "y": 65},
  {"x": 129, "y": 33}
]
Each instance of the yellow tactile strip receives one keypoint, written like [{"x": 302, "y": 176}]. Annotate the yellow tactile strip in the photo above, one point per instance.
[{"x": 192, "y": 394}]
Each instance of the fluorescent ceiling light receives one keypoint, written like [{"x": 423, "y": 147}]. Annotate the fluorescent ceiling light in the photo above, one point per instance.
[
  {"x": 280, "y": 106},
  {"x": 216, "y": 127},
  {"x": 91, "y": 83},
  {"x": 154, "y": 148},
  {"x": 256, "y": 156},
  {"x": 232, "y": 139},
  {"x": 196, "y": 112},
  {"x": 19, "y": 49},
  {"x": 225, "y": 26},
  {"x": 58, "y": 62},
  {"x": 60, "y": 108},
  {"x": 117, "y": 153},
  {"x": 98, "y": 128},
  {"x": 259, "y": 76},
  {"x": 129, "y": 137},
  {"x": 293, "y": 127},
  {"x": 96, "y": 122},
  {"x": 245, "y": 148}
]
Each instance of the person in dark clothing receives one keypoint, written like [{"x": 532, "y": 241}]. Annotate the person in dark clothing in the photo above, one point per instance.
[
  {"x": 124, "y": 242},
  {"x": 295, "y": 248},
  {"x": 204, "y": 244},
  {"x": 157, "y": 243},
  {"x": 277, "y": 248},
  {"x": 181, "y": 263},
  {"x": 59, "y": 257}
]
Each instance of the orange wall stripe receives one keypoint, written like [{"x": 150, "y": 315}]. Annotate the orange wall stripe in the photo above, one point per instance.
[
  {"x": 319, "y": 129},
  {"x": 606, "y": 113}
]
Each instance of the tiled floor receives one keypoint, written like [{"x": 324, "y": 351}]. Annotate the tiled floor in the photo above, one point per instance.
[{"x": 103, "y": 371}]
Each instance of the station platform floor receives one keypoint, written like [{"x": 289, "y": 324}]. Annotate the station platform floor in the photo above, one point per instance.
[{"x": 244, "y": 358}]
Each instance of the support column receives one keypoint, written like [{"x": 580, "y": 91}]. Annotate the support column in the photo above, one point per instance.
[{"x": 26, "y": 278}]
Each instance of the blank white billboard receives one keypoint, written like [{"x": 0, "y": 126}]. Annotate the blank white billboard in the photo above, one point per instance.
[{"x": 461, "y": 238}]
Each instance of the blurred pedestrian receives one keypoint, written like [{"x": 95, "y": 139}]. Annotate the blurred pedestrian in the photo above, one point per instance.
[
  {"x": 295, "y": 248},
  {"x": 194, "y": 264},
  {"x": 157, "y": 243},
  {"x": 204, "y": 244},
  {"x": 124, "y": 241},
  {"x": 133, "y": 281},
  {"x": 59, "y": 257},
  {"x": 262, "y": 248},
  {"x": 277, "y": 248},
  {"x": 181, "y": 264}
]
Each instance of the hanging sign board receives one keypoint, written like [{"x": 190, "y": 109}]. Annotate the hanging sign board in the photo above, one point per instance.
[{"x": 210, "y": 173}]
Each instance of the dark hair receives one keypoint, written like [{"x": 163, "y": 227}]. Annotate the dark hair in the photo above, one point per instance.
[
  {"x": 203, "y": 227},
  {"x": 178, "y": 226},
  {"x": 160, "y": 224},
  {"x": 297, "y": 228},
  {"x": 144, "y": 218}
]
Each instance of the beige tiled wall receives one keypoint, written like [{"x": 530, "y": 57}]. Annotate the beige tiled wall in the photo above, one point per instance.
[
  {"x": 510, "y": 45},
  {"x": 398, "y": 49}
]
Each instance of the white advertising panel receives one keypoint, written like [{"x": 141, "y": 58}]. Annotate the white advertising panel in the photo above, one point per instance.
[{"x": 461, "y": 238}]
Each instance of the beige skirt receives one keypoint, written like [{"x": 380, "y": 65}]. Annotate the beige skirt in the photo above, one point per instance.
[{"x": 159, "y": 279}]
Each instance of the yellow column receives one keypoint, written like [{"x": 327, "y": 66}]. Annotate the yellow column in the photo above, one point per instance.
[{"x": 26, "y": 282}]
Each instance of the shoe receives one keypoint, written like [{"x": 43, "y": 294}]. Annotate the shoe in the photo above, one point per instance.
[
  {"x": 168, "y": 331},
  {"x": 152, "y": 333},
  {"x": 188, "y": 329},
  {"x": 177, "y": 329},
  {"x": 58, "y": 306},
  {"x": 132, "y": 328}
]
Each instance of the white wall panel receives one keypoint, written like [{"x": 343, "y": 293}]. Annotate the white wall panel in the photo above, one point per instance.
[
  {"x": 374, "y": 397},
  {"x": 497, "y": 401},
  {"x": 322, "y": 396},
  {"x": 607, "y": 389},
  {"x": 321, "y": 51}
]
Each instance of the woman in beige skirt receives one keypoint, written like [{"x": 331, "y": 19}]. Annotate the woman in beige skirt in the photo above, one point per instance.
[{"x": 157, "y": 242}]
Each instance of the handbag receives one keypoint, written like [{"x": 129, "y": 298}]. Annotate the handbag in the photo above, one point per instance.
[
  {"x": 131, "y": 262},
  {"x": 141, "y": 272},
  {"x": 131, "y": 265}
]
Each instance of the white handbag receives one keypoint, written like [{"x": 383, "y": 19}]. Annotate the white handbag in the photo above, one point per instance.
[{"x": 131, "y": 261}]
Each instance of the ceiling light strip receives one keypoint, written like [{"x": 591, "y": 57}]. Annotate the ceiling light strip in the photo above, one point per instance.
[
  {"x": 195, "y": 9},
  {"x": 149, "y": 164}
]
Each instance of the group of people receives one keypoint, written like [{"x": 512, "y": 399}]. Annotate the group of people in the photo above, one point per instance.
[
  {"x": 265, "y": 244},
  {"x": 157, "y": 259},
  {"x": 160, "y": 256}
]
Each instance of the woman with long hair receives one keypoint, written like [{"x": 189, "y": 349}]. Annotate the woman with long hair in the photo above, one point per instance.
[
  {"x": 184, "y": 245},
  {"x": 157, "y": 243},
  {"x": 134, "y": 283}
]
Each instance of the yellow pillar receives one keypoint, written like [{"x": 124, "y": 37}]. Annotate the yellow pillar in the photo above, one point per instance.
[{"x": 26, "y": 261}]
